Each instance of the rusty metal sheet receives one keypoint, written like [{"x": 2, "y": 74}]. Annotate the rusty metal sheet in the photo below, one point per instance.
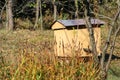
[{"x": 79, "y": 22}]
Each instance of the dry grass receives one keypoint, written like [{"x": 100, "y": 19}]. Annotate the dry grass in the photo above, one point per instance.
[{"x": 29, "y": 55}]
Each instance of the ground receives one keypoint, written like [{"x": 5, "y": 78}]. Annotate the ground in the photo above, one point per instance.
[{"x": 15, "y": 45}]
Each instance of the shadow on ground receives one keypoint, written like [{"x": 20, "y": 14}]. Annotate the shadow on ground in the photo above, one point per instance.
[{"x": 114, "y": 57}]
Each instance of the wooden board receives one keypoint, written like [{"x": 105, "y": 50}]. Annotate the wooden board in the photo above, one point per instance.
[{"x": 73, "y": 42}]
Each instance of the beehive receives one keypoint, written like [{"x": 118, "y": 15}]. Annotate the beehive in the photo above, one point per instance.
[{"x": 72, "y": 37}]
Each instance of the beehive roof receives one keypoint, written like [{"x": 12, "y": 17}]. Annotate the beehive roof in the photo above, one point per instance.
[{"x": 77, "y": 22}]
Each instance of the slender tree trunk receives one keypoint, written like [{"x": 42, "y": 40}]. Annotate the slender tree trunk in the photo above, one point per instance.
[
  {"x": 41, "y": 19},
  {"x": 105, "y": 66},
  {"x": 76, "y": 6},
  {"x": 92, "y": 40},
  {"x": 91, "y": 33},
  {"x": 9, "y": 15},
  {"x": 37, "y": 14},
  {"x": 0, "y": 22},
  {"x": 1, "y": 13},
  {"x": 6, "y": 25},
  {"x": 55, "y": 10}
]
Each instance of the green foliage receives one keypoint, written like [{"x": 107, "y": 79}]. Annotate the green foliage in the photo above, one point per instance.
[
  {"x": 31, "y": 5},
  {"x": 44, "y": 5},
  {"x": 65, "y": 16},
  {"x": 114, "y": 71}
]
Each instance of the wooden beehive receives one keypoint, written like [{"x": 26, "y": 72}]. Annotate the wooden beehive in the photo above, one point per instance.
[{"x": 72, "y": 37}]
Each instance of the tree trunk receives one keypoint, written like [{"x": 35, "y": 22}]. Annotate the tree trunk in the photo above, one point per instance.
[
  {"x": 37, "y": 14},
  {"x": 91, "y": 33},
  {"x": 55, "y": 10},
  {"x": 76, "y": 6},
  {"x": 9, "y": 15},
  {"x": 41, "y": 20},
  {"x": 1, "y": 13},
  {"x": 0, "y": 23}
]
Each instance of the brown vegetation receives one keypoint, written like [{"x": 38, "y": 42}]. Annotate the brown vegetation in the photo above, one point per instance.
[{"x": 29, "y": 55}]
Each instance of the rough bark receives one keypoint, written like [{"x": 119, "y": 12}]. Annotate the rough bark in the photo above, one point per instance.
[
  {"x": 105, "y": 67},
  {"x": 1, "y": 13},
  {"x": 108, "y": 40},
  {"x": 37, "y": 14},
  {"x": 41, "y": 20},
  {"x": 92, "y": 40},
  {"x": 0, "y": 23},
  {"x": 9, "y": 16},
  {"x": 91, "y": 35},
  {"x": 55, "y": 10},
  {"x": 76, "y": 6}
]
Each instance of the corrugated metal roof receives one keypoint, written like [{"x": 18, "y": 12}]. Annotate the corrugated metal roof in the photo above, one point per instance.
[{"x": 79, "y": 22}]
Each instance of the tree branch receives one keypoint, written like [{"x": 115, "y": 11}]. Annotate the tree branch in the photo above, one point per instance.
[
  {"x": 112, "y": 48},
  {"x": 113, "y": 44},
  {"x": 103, "y": 16},
  {"x": 91, "y": 36},
  {"x": 2, "y": 10},
  {"x": 108, "y": 40}
]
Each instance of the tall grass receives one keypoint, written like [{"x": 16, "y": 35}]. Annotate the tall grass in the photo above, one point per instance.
[
  {"x": 37, "y": 66},
  {"x": 29, "y": 55}
]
